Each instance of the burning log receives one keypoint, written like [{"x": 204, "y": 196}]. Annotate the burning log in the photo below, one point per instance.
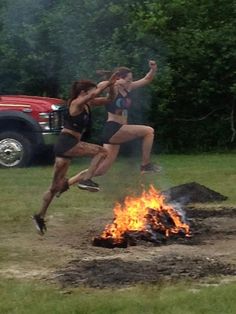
[
  {"x": 109, "y": 243},
  {"x": 146, "y": 218}
]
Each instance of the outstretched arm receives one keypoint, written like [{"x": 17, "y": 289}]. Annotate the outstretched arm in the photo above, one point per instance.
[
  {"x": 147, "y": 78},
  {"x": 91, "y": 95},
  {"x": 99, "y": 101}
]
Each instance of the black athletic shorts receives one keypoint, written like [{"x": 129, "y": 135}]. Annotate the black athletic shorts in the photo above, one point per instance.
[
  {"x": 64, "y": 143},
  {"x": 110, "y": 128}
]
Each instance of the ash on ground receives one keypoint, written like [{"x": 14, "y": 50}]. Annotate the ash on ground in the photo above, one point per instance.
[
  {"x": 204, "y": 255},
  {"x": 117, "y": 272}
]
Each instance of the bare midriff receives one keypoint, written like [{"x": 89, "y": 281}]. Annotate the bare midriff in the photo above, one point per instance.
[
  {"x": 75, "y": 134},
  {"x": 117, "y": 118}
]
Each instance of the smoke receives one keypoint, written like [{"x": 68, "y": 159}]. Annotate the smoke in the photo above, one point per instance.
[
  {"x": 68, "y": 41},
  {"x": 56, "y": 42},
  {"x": 60, "y": 41}
]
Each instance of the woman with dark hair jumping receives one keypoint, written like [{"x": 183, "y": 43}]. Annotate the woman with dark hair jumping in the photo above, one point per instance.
[
  {"x": 69, "y": 145},
  {"x": 116, "y": 130}
]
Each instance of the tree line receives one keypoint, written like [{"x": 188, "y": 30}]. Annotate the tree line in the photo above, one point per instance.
[{"x": 46, "y": 44}]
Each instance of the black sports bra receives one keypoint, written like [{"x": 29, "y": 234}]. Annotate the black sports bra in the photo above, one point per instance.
[
  {"x": 78, "y": 123},
  {"x": 120, "y": 104}
]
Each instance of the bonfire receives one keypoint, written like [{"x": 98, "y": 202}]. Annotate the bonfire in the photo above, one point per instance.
[{"x": 147, "y": 217}]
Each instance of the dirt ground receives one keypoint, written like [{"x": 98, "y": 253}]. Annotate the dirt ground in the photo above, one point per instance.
[
  {"x": 66, "y": 256},
  {"x": 209, "y": 252}
]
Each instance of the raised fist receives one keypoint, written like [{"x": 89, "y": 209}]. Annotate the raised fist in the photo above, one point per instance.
[{"x": 152, "y": 64}]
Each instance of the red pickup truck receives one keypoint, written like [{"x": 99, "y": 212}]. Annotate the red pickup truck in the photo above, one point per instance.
[{"x": 28, "y": 124}]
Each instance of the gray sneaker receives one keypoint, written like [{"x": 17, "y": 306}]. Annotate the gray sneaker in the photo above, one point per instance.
[{"x": 88, "y": 185}]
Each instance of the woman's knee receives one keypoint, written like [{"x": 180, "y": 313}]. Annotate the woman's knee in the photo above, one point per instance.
[
  {"x": 60, "y": 163},
  {"x": 103, "y": 151},
  {"x": 54, "y": 189},
  {"x": 149, "y": 131},
  {"x": 57, "y": 186}
]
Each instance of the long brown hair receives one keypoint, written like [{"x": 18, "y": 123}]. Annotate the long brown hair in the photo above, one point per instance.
[
  {"x": 122, "y": 72},
  {"x": 78, "y": 87}
]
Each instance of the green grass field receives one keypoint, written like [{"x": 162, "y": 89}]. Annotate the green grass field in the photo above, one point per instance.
[
  {"x": 21, "y": 192},
  {"x": 25, "y": 298}
]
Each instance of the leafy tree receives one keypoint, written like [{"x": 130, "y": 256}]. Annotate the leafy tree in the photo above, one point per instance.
[
  {"x": 46, "y": 44},
  {"x": 195, "y": 95}
]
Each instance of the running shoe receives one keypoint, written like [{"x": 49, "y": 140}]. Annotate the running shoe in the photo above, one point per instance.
[
  {"x": 39, "y": 224},
  {"x": 150, "y": 168},
  {"x": 88, "y": 185}
]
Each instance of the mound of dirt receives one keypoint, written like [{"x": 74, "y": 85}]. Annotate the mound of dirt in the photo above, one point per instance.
[{"x": 192, "y": 192}]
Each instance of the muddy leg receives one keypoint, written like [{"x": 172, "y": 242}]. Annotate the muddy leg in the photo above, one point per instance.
[
  {"x": 58, "y": 183},
  {"x": 107, "y": 162},
  {"x": 85, "y": 149}
]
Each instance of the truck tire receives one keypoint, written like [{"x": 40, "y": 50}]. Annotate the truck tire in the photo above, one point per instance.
[{"x": 15, "y": 150}]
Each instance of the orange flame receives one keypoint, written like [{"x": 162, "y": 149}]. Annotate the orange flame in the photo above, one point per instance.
[{"x": 132, "y": 216}]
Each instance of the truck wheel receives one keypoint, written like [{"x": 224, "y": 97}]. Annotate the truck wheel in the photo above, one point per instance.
[{"x": 15, "y": 150}]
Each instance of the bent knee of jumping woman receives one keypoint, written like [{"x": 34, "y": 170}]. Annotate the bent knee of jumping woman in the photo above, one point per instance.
[
  {"x": 103, "y": 151},
  {"x": 54, "y": 189},
  {"x": 149, "y": 131},
  {"x": 58, "y": 186}
]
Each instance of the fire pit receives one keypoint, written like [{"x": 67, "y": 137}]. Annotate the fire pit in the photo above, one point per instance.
[
  {"x": 200, "y": 257},
  {"x": 147, "y": 217}
]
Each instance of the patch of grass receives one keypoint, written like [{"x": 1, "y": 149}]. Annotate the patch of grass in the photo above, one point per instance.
[
  {"x": 22, "y": 189},
  {"x": 27, "y": 298},
  {"x": 21, "y": 193}
]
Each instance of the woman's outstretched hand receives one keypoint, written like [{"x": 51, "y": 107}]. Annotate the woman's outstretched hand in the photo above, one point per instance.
[{"x": 152, "y": 65}]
